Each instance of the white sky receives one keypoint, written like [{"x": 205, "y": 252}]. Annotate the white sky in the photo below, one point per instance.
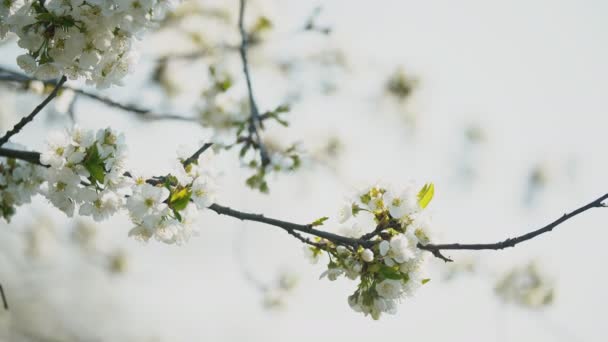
[{"x": 532, "y": 74}]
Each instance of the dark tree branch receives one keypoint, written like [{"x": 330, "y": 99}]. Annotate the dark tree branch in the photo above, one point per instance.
[
  {"x": 4, "y": 302},
  {"x": 27, "y": 119},
  {"x": 7, "y": 75},
  {"x": 297, "y": 230},
  {"x": 287, "y": 226},
  {"x": 511, "y": 242},
  {"x": 254, "y": 117},
  {"x": 142, "y": 113},
  {"x": 197, "y": 154},
  {"x": 28, "y": 156}
]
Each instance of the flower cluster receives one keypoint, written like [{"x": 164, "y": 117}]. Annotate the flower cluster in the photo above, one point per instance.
[
  {"x": 86, "y": 169},
  {"x": 86, "y": 175},
  {"x": 19, "y": 181},
  {"x": 167, "y": 207},
  {"x": 80, "y": 39},
  {"x": 386, "y": 259}
]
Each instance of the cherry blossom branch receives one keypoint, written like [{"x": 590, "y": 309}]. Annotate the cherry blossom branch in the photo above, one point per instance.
[
  {"x": 254, "y": 118},
  {"x": 297, "y": 230},
  {"x": 27, "y": 119}
]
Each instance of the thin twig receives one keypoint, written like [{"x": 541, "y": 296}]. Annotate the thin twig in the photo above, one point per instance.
[
  {"x": 27, "y": 119},
  {"x": 143, "y": 113},
  {"x": 511, "y": 242},
  {"x": 197, "y": 154},
  {"x": 72, "y": 109},
  {"x": 7, "y": 75},
  {"x": 254, "y": 117}
]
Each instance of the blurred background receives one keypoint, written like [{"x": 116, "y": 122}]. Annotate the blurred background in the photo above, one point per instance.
[{"x": 500, "y": 103}]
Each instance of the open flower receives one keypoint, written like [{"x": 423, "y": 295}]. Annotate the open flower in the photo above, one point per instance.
[
  {"x": 390, "y": 288},
  {"x": 402, "y": 204},
  {"x": 203, "y": 192},
  {"x": 399, "y": 250},
  {"x": 103, "y": 205},
  {"x": 147, "y": 203},
  {"x": 57, "y": 151}
]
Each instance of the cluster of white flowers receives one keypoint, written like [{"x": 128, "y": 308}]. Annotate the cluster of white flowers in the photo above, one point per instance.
[
  {"x": 86, "y": 169},
  {"x": 19, "y": 181},
  {"x": 168, "y": 209},
  {"x": 387, "y": 263},
  {"x": 80, "y": 39}
]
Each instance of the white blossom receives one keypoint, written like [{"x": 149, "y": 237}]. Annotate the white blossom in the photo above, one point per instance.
[
  {"x": 203, "y": 192},
  {"x": 390, "y": 288},
  {"x": 146, "y": 204},
  {"x": 367, "y": 255},
  {"x": 102, "y": 206},
  {"x": 93, "y": 41},
  {"x": 399, "y": 250},
  {"x": 332, "y": 273},
  {"x": 58, "y": 148},
  {"x": 402, "y": 204},
  {"x": 346, "y": 212}
]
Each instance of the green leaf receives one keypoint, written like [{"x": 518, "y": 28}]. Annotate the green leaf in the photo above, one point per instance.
[
  {"x": 425, "y": 280},
  {"x": 319, "y": 222},
  {"x": 94, "y": 164},
  {"x": 46, "y": 17},
  {"x": 177, "y": 215},
  {"x": 390, "y": 273},
  {"x": 426, "y": 195},
  {"x": 262, "y": 24},
  {"x": 180, "y": 198}
]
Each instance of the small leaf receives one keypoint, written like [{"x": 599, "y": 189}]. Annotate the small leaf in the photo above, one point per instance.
[
  {"x": 426, "y": 195},
  {"x": 180, "y": 198},
  {"x": 390, "y": 273},
  {"x": 319, "y": 222},
  {"x": 94, "y": 164},
  {"x": 177, "y": 215},
  {"x": 425, "y": 280},
  {"x": 263, "y": 23}
]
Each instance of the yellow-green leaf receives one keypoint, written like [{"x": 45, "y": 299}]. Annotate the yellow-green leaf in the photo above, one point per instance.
[
  {"x": 180, "y": 198},
  {"x": 426, "y": 195},
  {"x": 319, "y": 222}
]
